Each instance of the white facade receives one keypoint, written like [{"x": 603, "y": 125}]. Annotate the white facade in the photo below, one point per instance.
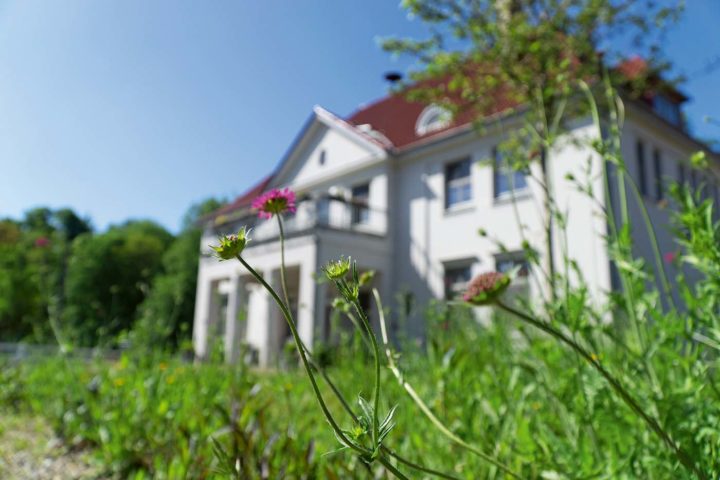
[{"x": 387, "y": 208}]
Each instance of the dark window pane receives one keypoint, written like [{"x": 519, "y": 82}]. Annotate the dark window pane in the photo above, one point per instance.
[
  {"x": 359, "y": 206},
  {"x": 458, "y": 184},
  {"x": 657, "y": 167},
  {"x": 640, "y": 156},
  {"x": 456, "y": 280}
]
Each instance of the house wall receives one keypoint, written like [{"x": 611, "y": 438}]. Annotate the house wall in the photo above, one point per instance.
[
  {"x": 412, "y": 238},
  {"x": 429, "y": 237},
  {"x": 675, "y": 150}
]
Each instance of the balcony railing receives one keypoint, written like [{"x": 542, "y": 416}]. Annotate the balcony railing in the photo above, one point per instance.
[{"x": 313, "y": 213}]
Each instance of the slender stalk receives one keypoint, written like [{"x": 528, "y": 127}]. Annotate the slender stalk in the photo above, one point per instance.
[
  {"x": 610, "y": 215},
  {"x": 386, "y": 463},
  {"x": 309, "y": 359},
  {"x": 376, "y": 354},
  {"x": 349, "y": 410},
  {"x": 417, "y": 467},
  {"x": 283, "y": 281},
  {"x": 298, "y": 343},
  {"x": 664, "y": 280},
  {"x": 422, "y": 405},
  {"x": 651, "y": 422}
]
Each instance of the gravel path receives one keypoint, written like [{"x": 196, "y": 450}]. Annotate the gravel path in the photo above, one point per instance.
[{"x": 29, "y": 450}]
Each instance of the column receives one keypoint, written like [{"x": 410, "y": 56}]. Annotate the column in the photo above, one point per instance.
[
  {"x": 308, "y": 304},
  {"x": 203, "y": 300},
  {"x": 258, "y": 309},
  {"x": 232, "y": 327}
]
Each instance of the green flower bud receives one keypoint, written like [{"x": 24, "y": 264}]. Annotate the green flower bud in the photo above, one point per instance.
[
  {"x": 231, "y": 245},
  {"x": 366, "y": 277},
  {"x": 337, "y": 269}
]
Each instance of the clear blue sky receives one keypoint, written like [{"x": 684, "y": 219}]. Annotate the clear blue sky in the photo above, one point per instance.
[{"x": 136, "y": 109}]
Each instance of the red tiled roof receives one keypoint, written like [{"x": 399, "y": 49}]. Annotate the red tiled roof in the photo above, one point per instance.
[
  {"x": 395, "y": 117},
  {"x": 633, "y": 67},
  {"x": 244, "y": 200}
]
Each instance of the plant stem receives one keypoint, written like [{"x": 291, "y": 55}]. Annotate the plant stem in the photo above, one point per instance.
[
  {"x": 422, "y": 405},
  {"x": 283, "y": 282},
  {"x": 298, "y": 343},
  {"x": 350, "y": 412},
  {"x": 651, "y": 422},
  {"x": 386, "y": 463},
  {"x": 376, "y": 355}
]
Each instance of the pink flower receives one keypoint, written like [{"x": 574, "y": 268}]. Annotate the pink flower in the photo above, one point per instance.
[
  {"x": 42, "y": 242},
  {"x": 486, "y": 288},
  {"x": 274, "y": 202},
  {"x": 670, "y": 257}
]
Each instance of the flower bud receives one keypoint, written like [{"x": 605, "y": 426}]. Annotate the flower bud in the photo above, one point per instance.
[
  {"x": 486, "y": 288},
  {"x": 337, "y": 269},
  {"x": 231, "y": 245}
]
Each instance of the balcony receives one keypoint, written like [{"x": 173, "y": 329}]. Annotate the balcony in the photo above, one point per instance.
[{"x": 329, "y": 213}]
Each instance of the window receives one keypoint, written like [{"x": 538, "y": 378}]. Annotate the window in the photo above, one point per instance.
[
  {"x": 657, "y": 170},
  {"x": 456, "y": 279},
  {"x": 641, "y": 170},
  {"x": 458, "y": 184},
  {"x": 667, "y": 109},
  {"x": 505, "y": 179},
  {"x": 693, "y": 179},
  {"x": 506, "y": 262},
  {"x": 359, "y": 203},
  {"x": 681, "y": 173},
  {"x": 322, "y": 157},
  {"x": 432, "y": 119}
]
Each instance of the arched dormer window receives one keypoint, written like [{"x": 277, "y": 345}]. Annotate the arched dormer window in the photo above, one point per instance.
[{"x": 433, "y": 118}]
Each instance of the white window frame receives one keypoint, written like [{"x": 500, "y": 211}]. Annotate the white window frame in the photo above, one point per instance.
[{"x": 432, "y": 119}]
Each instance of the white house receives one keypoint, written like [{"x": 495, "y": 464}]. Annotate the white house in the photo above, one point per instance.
[{"x": 402, "y": 189}]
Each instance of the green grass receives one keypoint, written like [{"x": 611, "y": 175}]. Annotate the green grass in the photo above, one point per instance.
[{"x": 520, "y": 398}]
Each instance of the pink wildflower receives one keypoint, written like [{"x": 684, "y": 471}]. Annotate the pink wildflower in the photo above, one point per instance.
[
  {"x": 42, "y": 242},
  {"x": 275, "y": 202},
  {"x": 486, "y": 288},
  {"x": 670, "y": 257}
]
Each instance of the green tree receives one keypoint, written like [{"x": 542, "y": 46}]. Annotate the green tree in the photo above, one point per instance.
[
  {"x": 33, "y": 259},
  {"x": 166, "y": 315},
  {"x": 108, "y": 277},
  {"x": 21, "y": 310}
]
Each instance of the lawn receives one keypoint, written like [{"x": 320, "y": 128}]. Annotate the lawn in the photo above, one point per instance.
[{"x": 513, "y": 395}]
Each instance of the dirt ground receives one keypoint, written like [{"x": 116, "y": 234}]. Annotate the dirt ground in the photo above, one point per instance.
[{"x": 29, "y": 450}]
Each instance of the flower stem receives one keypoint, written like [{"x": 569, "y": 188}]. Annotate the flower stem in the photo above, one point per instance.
[
  {"x": 651, "y": 422},
  {"x": 350, "y": 412},
  {"x": 376, "y": 354},
  {"x": 386, "y": 463},
  {"x": 422, "y": 405},
  {"x": 298, "y": 343},
  {"x": 283, "y": 281}
]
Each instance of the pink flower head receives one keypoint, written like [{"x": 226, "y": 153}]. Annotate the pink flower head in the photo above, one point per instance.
[
  {"x": 274, "y": 202},
  {"x": 670, "y": 257},
  {"x": 42, "y": 242},
  {"x": 486, "y": 288}
]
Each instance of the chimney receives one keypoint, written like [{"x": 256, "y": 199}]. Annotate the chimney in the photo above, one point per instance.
[{"x": 393, "y": 77}]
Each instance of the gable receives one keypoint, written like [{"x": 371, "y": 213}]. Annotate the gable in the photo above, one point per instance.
[{"x": 327, "y": 147}]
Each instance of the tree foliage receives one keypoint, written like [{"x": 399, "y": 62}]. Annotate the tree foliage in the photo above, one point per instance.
[
  {"x": 108, "y": 277},
  {"x": 165, "y": 317}
]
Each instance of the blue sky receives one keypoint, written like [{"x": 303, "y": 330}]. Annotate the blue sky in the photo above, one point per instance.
[{"x": 136, "y": 109}]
